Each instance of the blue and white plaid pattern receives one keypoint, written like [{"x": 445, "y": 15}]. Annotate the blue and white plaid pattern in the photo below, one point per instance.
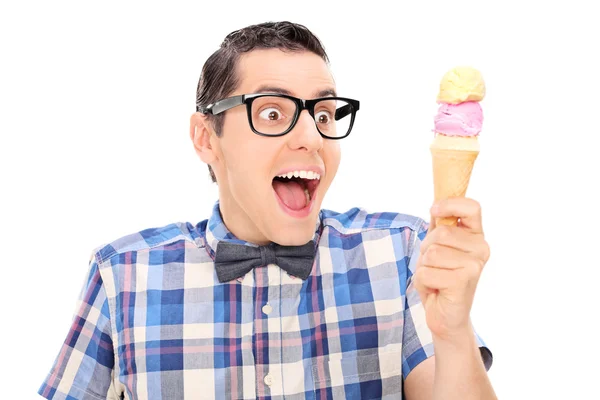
[{"x": 153, "y": 321}]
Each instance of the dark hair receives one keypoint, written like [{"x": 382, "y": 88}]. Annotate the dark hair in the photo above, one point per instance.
[{"x": 219, "y": 78}]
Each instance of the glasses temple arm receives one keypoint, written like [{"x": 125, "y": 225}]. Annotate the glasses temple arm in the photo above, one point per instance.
[
  {"x": 221, "y": 105},
  {"x": 343, "y": 111}
]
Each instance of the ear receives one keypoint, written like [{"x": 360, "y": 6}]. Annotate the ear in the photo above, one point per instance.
[{"x": 200, "y": 133}]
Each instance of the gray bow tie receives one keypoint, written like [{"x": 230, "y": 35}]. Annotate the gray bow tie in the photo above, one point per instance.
[{"x": 233, "y": 261}]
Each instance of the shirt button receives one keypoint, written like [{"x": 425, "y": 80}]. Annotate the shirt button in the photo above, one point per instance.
[
  {"x": 268, "y": 380},
  {"x": 267, "y": 309}
]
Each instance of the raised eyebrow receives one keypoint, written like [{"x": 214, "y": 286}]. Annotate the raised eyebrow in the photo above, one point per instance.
[
  {"x": 272, "y": 89},
  {"x": 326, "y": 93},
  {"x": 276, "y": 89}
]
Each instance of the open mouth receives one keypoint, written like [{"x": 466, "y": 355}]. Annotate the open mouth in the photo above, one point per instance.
[{"x": 296, "y": 191}]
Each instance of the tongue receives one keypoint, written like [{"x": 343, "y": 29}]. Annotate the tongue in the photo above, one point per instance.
[{"x": 291, "y": 194}]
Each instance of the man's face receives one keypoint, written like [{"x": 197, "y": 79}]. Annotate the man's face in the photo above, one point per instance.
[{"x": 257, "y": 206}]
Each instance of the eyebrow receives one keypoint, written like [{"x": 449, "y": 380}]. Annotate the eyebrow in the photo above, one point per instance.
[
  {"x": 272, "y": 89},
  {"x": 280, "y": 90},
  {"x": 326, "y": 93}
]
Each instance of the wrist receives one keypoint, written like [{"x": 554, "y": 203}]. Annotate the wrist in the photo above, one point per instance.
[
  {"x": 459, "y": 369},
  {"x": 458, "y": 338},
  {"x": 458, "y": 347}
]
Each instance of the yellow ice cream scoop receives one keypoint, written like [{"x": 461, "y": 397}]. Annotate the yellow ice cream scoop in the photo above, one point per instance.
[{"x": 461, "y": 84}]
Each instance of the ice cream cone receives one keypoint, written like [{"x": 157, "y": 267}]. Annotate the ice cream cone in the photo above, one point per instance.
[
  {"x": 457, "y": 125},
  {"x": 453, "y": 159}
]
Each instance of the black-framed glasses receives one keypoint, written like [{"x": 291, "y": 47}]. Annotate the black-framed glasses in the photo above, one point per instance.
[{"x": 273, "y": 114}]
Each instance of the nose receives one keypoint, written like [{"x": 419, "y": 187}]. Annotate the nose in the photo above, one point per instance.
[{"x": 305, "y": 134}]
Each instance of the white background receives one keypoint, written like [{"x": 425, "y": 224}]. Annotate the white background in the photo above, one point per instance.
[{"x": 95, "y": 100}]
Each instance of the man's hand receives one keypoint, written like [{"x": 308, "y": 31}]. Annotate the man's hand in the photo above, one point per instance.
[{"x": 449, "y": 266}]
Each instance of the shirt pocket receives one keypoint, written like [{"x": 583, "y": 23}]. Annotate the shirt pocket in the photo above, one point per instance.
[{"x": 349, "y": 377}]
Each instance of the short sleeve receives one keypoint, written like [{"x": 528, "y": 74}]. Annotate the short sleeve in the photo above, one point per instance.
[
  {"x": 417, "y": 342},
  {"x": 83, "y": 368}
]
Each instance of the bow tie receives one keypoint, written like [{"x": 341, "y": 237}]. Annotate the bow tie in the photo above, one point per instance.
[{"x": 233, "y": 261}]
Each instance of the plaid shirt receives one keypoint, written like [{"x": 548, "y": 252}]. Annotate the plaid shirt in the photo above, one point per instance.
[{"x": 153, "y": 321}]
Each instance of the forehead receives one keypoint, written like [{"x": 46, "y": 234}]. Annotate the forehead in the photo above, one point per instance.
[{"x": 303, "y": 74}]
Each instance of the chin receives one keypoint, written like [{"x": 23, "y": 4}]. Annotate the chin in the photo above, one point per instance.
[{"x": 294, "y": 233}]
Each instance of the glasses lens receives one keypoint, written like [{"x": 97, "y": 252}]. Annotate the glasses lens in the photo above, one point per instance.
[
  {"x": 333, "y": 117},
  {"x": 272, "y": 115}
]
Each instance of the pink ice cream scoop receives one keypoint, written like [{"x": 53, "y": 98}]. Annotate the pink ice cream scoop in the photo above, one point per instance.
[{"x": 464, "y": 119}]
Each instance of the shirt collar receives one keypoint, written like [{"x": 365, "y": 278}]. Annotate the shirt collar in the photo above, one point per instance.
[{"x": 216, "y": 232}]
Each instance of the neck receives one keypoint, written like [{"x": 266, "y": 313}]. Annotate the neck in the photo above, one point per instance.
[{"x": 239, "y": 223}]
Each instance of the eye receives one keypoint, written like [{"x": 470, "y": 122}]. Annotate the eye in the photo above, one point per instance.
[
  {"x": 270, "y": 114},
  {"x": 323, "y": 117}
]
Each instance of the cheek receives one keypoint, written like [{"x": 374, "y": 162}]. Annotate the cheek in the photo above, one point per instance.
[
  {"x": 331, "y": 154},
  {"x": 248, "y": 165},
  {"x": 237, "y": 158}
]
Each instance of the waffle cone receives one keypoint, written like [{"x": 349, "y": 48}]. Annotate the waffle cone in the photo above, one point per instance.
[{"x": 451, "y": 174}]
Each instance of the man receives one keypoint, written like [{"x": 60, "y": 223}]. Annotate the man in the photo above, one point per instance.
[{"x": 272, "y": 297}]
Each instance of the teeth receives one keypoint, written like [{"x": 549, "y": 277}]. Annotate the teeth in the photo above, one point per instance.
[
  {"x": 307, "y": 196},
  {"x": 301, "y": 174}
]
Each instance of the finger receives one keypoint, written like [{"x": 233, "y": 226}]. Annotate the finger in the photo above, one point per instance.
[
  {"x": 442, "y": 257},
  {"x": 467, "y": 210},
  {"x": 457, "y": 238},
  {"x": 432, "y": 279}
]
